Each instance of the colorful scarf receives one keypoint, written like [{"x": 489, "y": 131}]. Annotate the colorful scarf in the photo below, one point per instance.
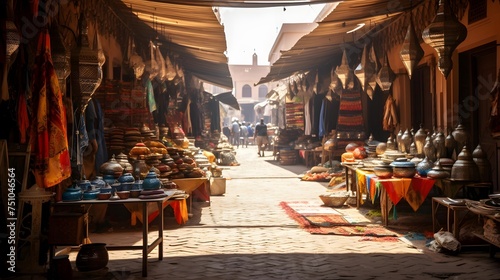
[{"x": 48, "y": 130}]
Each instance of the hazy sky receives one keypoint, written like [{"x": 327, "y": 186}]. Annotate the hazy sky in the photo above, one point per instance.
[{"x": 254, "y": 30}]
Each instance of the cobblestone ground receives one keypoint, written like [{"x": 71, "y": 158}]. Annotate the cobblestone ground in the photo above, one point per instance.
[{"x": 245, "y": 234}]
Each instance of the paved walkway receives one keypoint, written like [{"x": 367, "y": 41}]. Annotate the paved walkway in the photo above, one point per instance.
[{"x": 245, "y": 234}]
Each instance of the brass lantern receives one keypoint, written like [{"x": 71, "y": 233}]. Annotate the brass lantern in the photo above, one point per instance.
[
  {"x": 444, "y": 34},
  {"x": 344, "y": 72},
  {"x": 411, "y": 52},
  {"x": 366, "y": 69},
  {"x": 86, "y": 72},
  {"x": 385, "y": 76},
  {"x": 60, "y": 57},
  {"x": 136, "y": 62}
]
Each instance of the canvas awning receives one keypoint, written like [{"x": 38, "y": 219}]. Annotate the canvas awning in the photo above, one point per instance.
[
  {"x": 323, "y": 46},
  {"x": 227, "y": 98}
]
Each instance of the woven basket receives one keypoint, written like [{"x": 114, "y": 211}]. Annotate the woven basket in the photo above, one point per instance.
[{"x": 334, "y": 201}]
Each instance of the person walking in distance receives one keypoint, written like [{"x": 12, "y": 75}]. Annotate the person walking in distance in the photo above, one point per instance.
[
  {"x": 261, "y": 137},
  {"x": 235, "y": 133},
  {"x": 244, "y": 134}
]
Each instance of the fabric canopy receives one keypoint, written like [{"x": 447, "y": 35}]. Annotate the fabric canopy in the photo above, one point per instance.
[
  {"x": 324, "y": 44},
  {"x": 246, "y": 3},
  {"x": 227, "y": 98},
  {"x": 191, "y": 34}
]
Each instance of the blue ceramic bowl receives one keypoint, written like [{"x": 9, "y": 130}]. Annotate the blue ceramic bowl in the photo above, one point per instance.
[
  {"x": 90, "y": 195},
  {"x": 106, "y": 189}
]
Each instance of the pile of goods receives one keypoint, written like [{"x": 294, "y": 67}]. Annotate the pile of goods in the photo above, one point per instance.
[{"x": 321, "y": 174}]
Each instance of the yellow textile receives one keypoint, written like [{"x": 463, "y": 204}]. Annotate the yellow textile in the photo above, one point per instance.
[
  {"x": 361, "y": 181},
  {"x": 210, "y": 156}
]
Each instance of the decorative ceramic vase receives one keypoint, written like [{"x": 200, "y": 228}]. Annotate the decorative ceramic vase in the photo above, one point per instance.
[
  {"x": 92, "y": 257},
  {"x": 84, "y": 185},
  {"x": 390, "y": 145},
  {"x": 141, "y": 169},
  {"x": 460, "y": 136},
  {"x": 450, "y": 144},
  {"x": 429, "y": 149},
  {"x": 438, "y": 172},
  {"x": 126, "y": 178},
  {"x": 413, "y": 149},
  {"x": 98, "y": 182},
  {"x": 420, "y": 141},
  {"x": 439, "y": 144},
  {"x": 72, "y": 193},
  {"x": 109, "y": 179},
  {"x": 381, "y": 148},
  {"x": 424, "y": 167},
  {"x": 151, "y": 182},
  {"x": 123, "y": 161},
  {"x": 482, "y": 163},
  {"x": 465, "y": 168}
]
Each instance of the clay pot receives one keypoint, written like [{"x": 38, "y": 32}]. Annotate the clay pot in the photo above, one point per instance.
[
  {"x": 424, "y": 167},
  {"x": 92, "y": 257},
  {"x": 123, "y": 161},
  {"x": 460, "y": 135},
  {"x": 402, "y": 168},
  {"x": 450, "y": 144},
  {"x": 406, "y": 140},
  {"x": 465, "y": 168},
  {"x": 381, "y": 148},
  {"x": 439, "y": 144},
  {"x": 151, "y": 182},
  {"x": 399, "y": 143},
  {"x": 429, "y": 149},
  {"x": 390, "y": 144},
  {"x": 383, "y": 171},
  {"x": 438, "y": 172}
]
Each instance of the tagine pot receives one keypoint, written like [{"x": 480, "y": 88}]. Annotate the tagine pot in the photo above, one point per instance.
[{"x": 92, "y": 257}]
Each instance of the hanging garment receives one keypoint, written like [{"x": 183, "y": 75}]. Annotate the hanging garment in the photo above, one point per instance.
[
  {"x": 150, "y": 97},
  {"x": 307, "y": 117},
  {"x": 48, "y": 131},
  {"x": 495, "y": 108},
  {"x": 102, "y": 153},
  {"x": 390, "y": 120}
]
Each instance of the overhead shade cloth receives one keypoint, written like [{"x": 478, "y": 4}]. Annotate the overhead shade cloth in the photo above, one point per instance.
[
  {"x": 192, "y": 33},
  {"x": 246, "y": 3},
  {"x": 324, "y": 44},
  {"x": 227, "y": 98}
]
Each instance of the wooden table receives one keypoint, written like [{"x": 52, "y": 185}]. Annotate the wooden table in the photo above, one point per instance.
[
  {"x": 452, "y": 209},
  {"x": 146, "y": 248},
  {"x": 189, "y": 185}
]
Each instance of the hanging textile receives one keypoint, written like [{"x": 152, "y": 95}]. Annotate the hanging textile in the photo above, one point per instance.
[
  {"x": 48, "y": 133},
  {"x": 102, "y": 153},
  {"x": 390, "y": 120},
  {"x": 322, "y": 116},
  {"x": 213, "y": 105},
  {"x": 150, "y": 97}
]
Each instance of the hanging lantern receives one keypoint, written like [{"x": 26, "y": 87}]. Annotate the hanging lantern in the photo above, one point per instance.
[
  {"x": 366, "y": 69},
  {"x": 86, "y": 72},
  {"x": 60, "y": 57},
  {"x": 13, "y": 39},
  {"x": 444, "y": 34},
  {"x": 344, "y": 72},
  {"x": 152, "y": 66},
  {"x": 372, "y": 81},
  {"x": 411, "y": 52},
  {"x": 385, "y": 76},
  {"x": 171, "y": 71},
  {"x": 334, "y": 82}
]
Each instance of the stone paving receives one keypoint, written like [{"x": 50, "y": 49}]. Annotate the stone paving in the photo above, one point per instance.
[{"x": 245, "y": 234}]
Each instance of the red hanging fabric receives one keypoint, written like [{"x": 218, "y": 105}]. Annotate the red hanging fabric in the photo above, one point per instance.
[{"x": 48, "y": 130}]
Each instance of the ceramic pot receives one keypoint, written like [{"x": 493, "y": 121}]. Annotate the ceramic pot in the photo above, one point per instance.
[
  {"x": 126, "y": 178},
  {"x": 60, "y": 268},
  {"x": 465, "y": 168},
  {"x": 450, "y": 143},
  {"x": 439, "y": 145},
  {"x": 123, "y": 161},
  {"x": 111, "y": 167},
  {"x": 138, "y": 150},
  {"x": 482, "y": 163},
  {"x": 420, "y": 141},
  {"x": 402, "y": 168},
  {"x": 446, "y": 163},
  {"x": 381, "y": 148},
  {"x": 429, "y": 149},
  {"x": 72, "y": 193},
  {"x": 438, "y": 172},
  {"x": 460, "y": 136},
  {"x": 84, "y": 185},
  {"x": 92, "y": 257},
  {"x": 383, "y": 171},
  {"x": 90, "y": 194},
  {"x": 424, "y": 167},
  {"x": 151, "y": 182},
  {"x": 98, "y": 182},
  {"x": 141, "y": 169}
]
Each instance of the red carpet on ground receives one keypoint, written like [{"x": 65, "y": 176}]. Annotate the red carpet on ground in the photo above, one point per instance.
[{"x": 317, "y": 219}]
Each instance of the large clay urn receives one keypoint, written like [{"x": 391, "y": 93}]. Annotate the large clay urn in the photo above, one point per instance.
[
  {"x": 465, "y": 168},
  {"x": 420, "y": 141},
  {"x": 482, "y": 163}
]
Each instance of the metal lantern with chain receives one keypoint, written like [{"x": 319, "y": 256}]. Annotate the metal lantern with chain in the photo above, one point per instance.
[
  {"x": 385, "y": 76},
  {"x": 13, "y": 39},
  {"x": 86, "y": 72},
  {"x": 411, "y": 52},
  {"x": 444, "y": 34},
  {"x": 60, "y": 57}
]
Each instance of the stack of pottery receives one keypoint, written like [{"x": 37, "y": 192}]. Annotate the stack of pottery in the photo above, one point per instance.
[
  {"x": 132, "y": 137},
  {"x": 139, "y": 149},
  {"x": 146, "y": 133},
  {"x": 465, "y": 169},
  {"x": 116, "y": 141},
  {"x": 482, "y": 163}
]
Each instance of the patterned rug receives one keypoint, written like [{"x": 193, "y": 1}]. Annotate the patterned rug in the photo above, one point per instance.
[{"x": 317, "y": 219}]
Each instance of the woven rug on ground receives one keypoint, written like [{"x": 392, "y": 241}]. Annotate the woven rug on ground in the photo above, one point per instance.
[{"x": 317, "y": 219}]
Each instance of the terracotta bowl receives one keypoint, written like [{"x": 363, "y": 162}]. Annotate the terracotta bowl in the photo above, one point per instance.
[
  {"x": 123, "y": 194},
  {"x": 103, "y": 196},
  {"x": 135, "y": 193}
]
